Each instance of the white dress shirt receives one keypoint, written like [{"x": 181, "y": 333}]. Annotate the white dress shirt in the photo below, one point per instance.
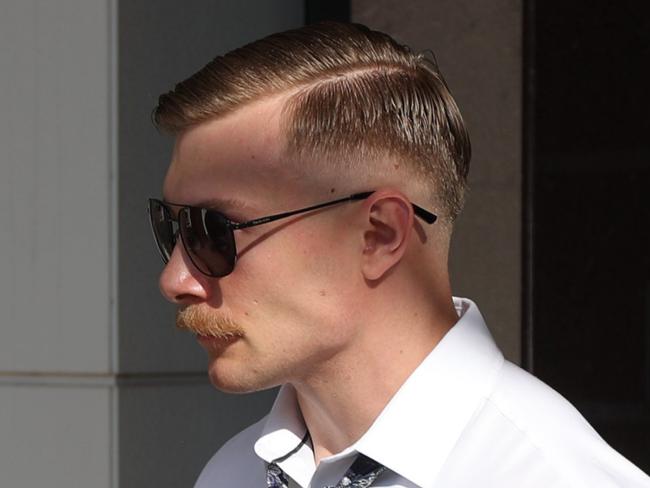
[{"x": 466, "y": 417}]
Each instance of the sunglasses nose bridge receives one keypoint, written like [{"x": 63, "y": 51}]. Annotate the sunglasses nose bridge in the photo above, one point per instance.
[
  {"x": 158, "y": 222},
  {"x": 180, "y": 255}
]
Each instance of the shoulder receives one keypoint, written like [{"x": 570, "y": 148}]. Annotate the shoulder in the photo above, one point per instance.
[
  {"x": 235, "y": 463},
  {"x": 536, "y": 407},
  {"x": 559, "y": 436}
]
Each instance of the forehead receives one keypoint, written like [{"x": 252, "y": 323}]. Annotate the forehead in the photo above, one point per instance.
[{"x": 233, "y": 158}]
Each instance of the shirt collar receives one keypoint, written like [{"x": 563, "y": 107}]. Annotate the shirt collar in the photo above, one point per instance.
[
  {"x": 283, "y": 432},
  {"x": 419, "y": 427}
]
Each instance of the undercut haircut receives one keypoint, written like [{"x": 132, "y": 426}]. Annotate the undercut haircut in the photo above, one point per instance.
[{"x": 357, "y": 95}]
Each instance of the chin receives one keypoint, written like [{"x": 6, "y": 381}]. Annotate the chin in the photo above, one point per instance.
[{"x": 230, "y": 379}]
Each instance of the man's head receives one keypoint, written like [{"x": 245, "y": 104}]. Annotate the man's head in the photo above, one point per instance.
[
  {"x": 354, "y": 97},
  {"x": 296, "y": 119}
]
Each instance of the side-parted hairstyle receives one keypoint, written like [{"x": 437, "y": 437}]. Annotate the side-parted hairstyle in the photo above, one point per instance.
[{"x": 356, "y": 95}]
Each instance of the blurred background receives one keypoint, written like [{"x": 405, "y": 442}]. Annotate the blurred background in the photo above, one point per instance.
[{"x": 98, "y": 389}]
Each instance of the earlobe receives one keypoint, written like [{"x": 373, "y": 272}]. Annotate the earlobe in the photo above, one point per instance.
[{"x": 388, "y": 226}]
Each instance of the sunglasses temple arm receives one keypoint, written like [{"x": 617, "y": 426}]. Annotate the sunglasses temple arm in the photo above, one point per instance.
[
  {"x": 425, "y": 215},
  {"x": 271, "y": 218}
]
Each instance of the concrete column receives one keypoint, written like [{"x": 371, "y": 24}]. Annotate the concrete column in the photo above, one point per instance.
[
  {"x": 97, "y": 389},
  {"x": 478, "y": 46}
]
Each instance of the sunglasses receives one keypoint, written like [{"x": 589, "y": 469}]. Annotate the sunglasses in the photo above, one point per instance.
[{"x": 208, "y": 235}]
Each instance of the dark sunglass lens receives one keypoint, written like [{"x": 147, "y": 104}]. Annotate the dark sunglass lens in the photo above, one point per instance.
[
  {"x": 163, "y": 228},
  {"x": 208, "y": 240},
  {"x": 223, "y": 240}
]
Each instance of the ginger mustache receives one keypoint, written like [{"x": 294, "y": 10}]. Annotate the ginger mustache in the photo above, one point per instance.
[{"x": 200, "y": 321}]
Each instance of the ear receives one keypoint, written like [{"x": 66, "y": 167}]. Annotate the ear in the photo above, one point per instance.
[{"x": 388, "y": 225}]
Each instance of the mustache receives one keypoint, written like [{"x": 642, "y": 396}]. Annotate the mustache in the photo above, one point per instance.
[{"x": 200, "y": 321}]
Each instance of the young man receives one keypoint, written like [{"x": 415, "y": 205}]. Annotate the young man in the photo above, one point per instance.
[{"x": 305, "y": 224}]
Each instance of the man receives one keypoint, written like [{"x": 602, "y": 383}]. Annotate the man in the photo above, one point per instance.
[{"x": 305, "y": 226}]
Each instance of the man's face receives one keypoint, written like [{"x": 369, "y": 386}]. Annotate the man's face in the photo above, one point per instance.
[{"x": 294, "y": 279}]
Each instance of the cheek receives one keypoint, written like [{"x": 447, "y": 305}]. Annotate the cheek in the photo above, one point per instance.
[
  {"x": 325, "y": 282},
  {"x": 327, "y": 256},
  {"x": 301, "y": 280}
]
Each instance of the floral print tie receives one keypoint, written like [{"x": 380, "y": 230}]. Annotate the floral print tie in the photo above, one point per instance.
[
  {"x": 363, "y": 473},
  {"x": 275, "y": 477}
]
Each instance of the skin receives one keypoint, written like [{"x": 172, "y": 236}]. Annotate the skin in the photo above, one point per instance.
[{"x": 342, "y": 303}]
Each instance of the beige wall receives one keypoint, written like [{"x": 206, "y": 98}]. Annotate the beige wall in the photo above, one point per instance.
[{"x": 478, "y": 45}]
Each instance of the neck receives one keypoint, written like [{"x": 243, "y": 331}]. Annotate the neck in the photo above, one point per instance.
[{"x": 341, "y": 399}]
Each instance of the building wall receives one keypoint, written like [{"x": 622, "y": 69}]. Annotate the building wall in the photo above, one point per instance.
[{"x": 97, "y": 389}]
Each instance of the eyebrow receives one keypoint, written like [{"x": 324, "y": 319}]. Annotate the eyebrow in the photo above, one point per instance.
[
  {"x": 216, "y": 203},
  {"x": 224, "y": 204}
]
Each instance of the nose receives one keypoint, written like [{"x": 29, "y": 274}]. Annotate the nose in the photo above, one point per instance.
[{"x": 180, "y": 282}]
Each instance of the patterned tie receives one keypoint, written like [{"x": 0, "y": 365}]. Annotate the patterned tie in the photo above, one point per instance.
[{"x": 363, "y": 473}]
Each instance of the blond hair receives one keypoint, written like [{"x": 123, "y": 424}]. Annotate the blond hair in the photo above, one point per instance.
[{"x": 358, "y": 95}]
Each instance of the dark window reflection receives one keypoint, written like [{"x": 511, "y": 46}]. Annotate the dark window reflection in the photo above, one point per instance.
[{"x": 590, "y": 169}]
